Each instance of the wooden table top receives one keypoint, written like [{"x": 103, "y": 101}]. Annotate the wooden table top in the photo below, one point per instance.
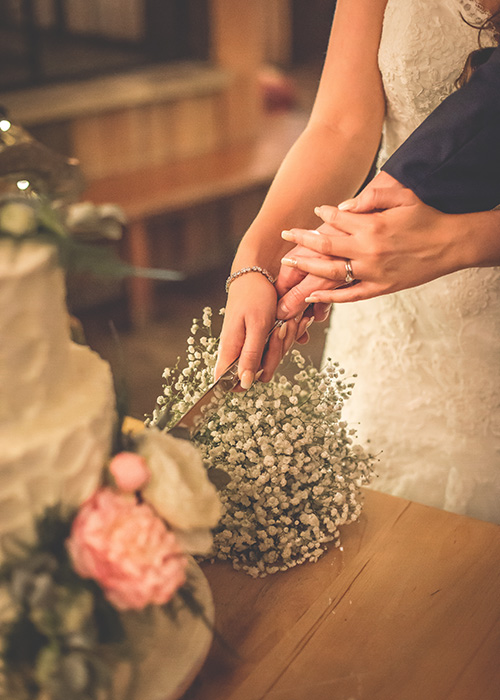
[{"x": 409, "y": 610}]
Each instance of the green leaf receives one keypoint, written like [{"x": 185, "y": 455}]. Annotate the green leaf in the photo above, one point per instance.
[
  {"x": 22, "y": 643},
  {"x": 107, "y": 619},
  {"x": 53, "y": 529}
]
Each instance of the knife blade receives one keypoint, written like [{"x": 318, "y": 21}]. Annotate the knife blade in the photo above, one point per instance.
[{"x": 214, "y": 395}]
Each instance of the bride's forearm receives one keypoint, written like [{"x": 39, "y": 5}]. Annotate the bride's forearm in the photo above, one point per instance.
[
  {"x": 323, "y": 166},
  {"x": 333, "y": 156}
]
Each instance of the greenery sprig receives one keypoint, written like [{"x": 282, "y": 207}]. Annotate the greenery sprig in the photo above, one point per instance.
[
  {"x": 60, "y": 621},
  {"x": 32, "y": 217}
]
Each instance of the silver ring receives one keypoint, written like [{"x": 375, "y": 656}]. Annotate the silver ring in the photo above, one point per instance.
[{"x": 349, "y": 274}]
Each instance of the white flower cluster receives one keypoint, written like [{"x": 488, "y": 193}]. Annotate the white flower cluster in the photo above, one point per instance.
[
  {"x": 180, "y": 489},
  {"x": 294, "y": 472},
  {"x": 183, "y": 388}
]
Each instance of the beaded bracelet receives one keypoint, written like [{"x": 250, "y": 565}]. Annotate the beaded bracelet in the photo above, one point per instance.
[{"x": 244, "y": 270}]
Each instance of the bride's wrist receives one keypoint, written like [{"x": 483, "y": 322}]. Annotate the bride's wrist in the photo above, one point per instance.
[
  {"x": 259, "y": 251},
  {"x": 249, "y": 269}
]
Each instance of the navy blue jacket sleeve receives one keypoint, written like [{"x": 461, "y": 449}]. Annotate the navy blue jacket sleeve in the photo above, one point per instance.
[{"x": 452, "y": 161}]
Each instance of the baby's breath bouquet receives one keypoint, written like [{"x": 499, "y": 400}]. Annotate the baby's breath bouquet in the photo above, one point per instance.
[{"x": 293, "y": 469}]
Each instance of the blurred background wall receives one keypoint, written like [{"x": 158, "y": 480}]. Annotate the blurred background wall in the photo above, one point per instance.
[
  {"x": 76, "y": 72},
  {"x": 180, "y": 111}
]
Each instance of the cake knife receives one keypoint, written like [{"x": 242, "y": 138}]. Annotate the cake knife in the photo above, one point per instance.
[{"x": 214, "y": 395}]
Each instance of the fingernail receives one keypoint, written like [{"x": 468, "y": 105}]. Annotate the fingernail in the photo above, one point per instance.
[
  {"x": 345, "y": 206},
  {"x": 282, "y": 332},
  {"x": 282, "y": 310},
  {"x": 317, "y": 211},
  {"x": 298, "y": 318},
  {"x": 289, "y": 261},
  {"x": 246, "y": 379},
  {"x": 312, "y": 300},
  {"x": 259, "y": 374},
  {"x": 288, "y": 235}
]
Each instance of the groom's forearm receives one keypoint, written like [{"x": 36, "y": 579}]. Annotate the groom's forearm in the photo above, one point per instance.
[{"x": 452, "y": 161}]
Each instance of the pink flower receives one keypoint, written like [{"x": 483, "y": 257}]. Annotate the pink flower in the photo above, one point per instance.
[
  {"x": 127, "y": 549},
  {"x": 130, "y": 471}
]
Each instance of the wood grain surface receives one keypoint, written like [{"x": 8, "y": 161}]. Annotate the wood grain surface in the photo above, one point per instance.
[{"x": 409, "y": 610}]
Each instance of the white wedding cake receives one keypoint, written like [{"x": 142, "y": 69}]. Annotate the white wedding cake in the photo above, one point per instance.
[{"x": 56, "y": 397}]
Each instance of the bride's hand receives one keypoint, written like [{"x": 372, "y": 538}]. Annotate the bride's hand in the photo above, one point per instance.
[
  {"x": 291, "y": 286},
  {"x": 294, "y": 286},
  {"x": 383, "y": 192},
  {"x": 249, "y": 316},
  {"x": 389, "y": 250}
]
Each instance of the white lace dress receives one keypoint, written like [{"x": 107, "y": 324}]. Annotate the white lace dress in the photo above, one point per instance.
[{"x": 427, "y": 394}]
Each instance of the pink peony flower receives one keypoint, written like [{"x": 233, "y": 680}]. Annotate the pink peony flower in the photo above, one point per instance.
[
  {"x": 130, "y": 471},
  {"x": 127, "y": 549}
]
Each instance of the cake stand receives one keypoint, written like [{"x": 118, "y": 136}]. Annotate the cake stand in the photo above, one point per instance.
[{"x": 168, "y": 653}]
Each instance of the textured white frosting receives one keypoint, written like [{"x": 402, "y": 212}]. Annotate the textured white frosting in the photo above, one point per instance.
[
  {"x": 34, "y": 330},
  {"x": 56, "y": 397}
]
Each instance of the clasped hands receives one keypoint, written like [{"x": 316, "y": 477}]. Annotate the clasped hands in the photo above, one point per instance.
[{"x": 392, "y": 240}]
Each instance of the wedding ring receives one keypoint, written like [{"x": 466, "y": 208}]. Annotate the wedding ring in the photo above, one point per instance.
[{"x": 349, "y": 275}]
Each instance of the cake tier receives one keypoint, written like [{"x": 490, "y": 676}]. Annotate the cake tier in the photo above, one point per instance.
[
  {"x": 59, "y": 456},
  {"x": 34, "y": 330}
]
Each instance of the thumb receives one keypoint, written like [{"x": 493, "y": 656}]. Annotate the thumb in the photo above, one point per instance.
[
  {"x": 381, "y": 193},
  {"x": 292, "y": 303}
]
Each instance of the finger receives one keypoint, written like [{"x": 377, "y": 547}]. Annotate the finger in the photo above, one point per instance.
[
  {"x": 230, "y": 345},
  {"x": 274, "y": 353},
  {"x": 287, "y": 278},
  {"x": 278, "y": 344},
  {"x": 251, "y": 353},
  {"x": 302, "y": 334},
  {"x": 357, "y": 292},
  {"x": 316, "y": 240},
  {"x": 336, "y": 237},
  {"x": 377, "y": 199},
  {"x": 362, "y": 202},
  {"x": 333, "y": 269},
  {"x": 321, "y": 312},
  {"x": 292, "y": 332},
  {"x": 294, "y": 301}
]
